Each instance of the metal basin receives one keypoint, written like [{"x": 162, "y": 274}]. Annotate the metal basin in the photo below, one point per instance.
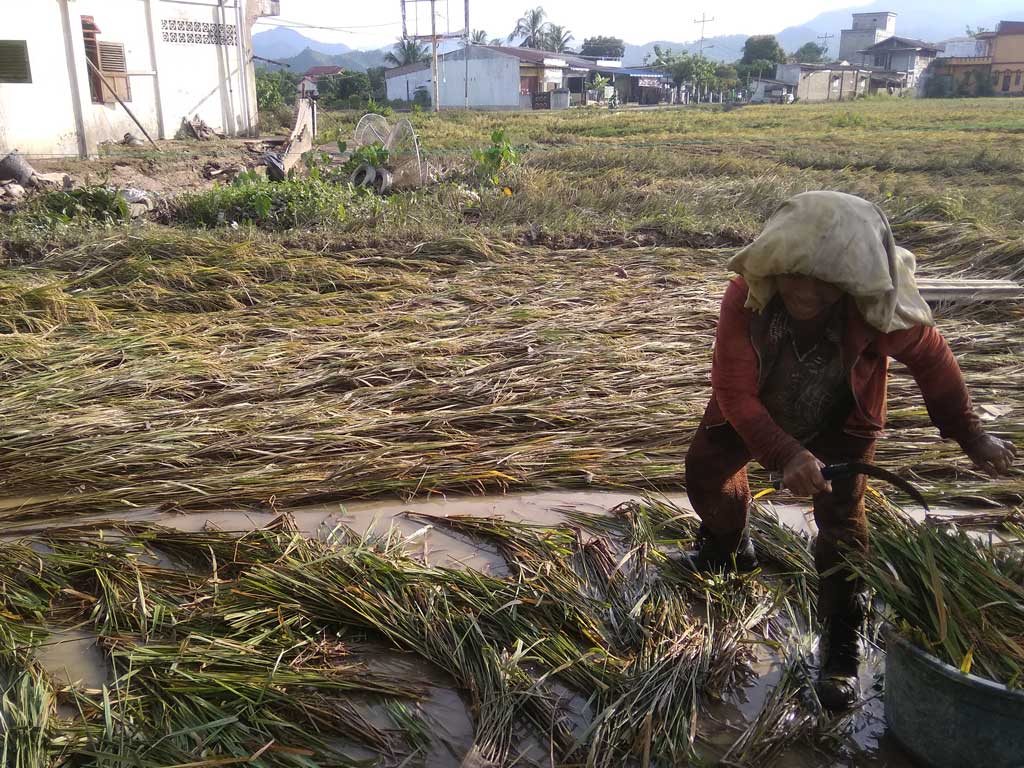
[{"x": 947, "y": 719}]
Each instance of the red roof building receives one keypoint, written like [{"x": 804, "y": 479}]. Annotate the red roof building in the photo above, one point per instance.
[{"x": 322, "y": 71}]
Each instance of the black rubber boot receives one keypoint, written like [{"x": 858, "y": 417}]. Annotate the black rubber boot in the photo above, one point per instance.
[
  {"x": 723, "y": 554},
  {"x": 839, "y": 650}
]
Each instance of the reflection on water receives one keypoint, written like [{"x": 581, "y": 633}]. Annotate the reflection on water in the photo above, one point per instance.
[{"x": 74, "y": 657}]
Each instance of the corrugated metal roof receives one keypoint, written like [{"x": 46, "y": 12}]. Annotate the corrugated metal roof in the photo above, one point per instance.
[
  {"x": 327, "y": 70},
  {"x": 407, "y": 69},
  {"x": 904, "y": 43}
]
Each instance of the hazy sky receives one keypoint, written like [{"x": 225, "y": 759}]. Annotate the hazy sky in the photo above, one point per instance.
[{"x": 373, "y": 23}]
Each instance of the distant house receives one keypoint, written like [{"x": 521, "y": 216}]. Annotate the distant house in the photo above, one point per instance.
[
  {"x": 992, "y": 62},
  {"x": 867, "y": 30},
  {"x": 64, "y": 66},
  {"x": 308, "y": 87},
  {"x": 1007, "y": 57},
  {"x": 766, "y": 91},
  {"x": 964, "y": 48},
  {"x": 908, "y": 57},
  {"x": 503, "y": 77},
  {"x": 315, "y": 72},
  {"x": 836, "y": 82}
]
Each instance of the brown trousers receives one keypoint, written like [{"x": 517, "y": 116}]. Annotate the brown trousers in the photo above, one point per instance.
[{"x": 716, "y": 482}]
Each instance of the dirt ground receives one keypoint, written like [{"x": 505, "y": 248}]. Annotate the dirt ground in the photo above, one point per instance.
[{"x": 177, "y": 167}]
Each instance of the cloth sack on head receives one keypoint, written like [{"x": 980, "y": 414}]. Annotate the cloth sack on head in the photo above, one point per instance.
[{"x": 843, "y": 240}]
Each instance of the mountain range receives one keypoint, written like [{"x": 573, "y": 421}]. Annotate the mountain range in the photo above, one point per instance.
[{"x": 920, "y": 19}]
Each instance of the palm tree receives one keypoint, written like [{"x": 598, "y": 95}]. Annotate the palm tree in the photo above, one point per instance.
[
  {"x": 479, "y": 37},
  {"x": 497, "y": 41},
  {"x": 557, "y": 39},
  {"x": 406, "y": 52},
  {"x": 532, "y": 28}
]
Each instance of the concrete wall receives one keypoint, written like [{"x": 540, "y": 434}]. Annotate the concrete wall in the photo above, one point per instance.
[
  {"x": 403, "y": 87},
  {"x": 176, "y": 69},
  {"x": 851, "y": 41},
  {"x": 214, "y": 81},
  {"x": 493, "y": 80},
  {"x": 832, "y": 85},
  {"x": 39, "y": 117},
  {"x": 125, "y": 22},
  {"x": 886, "y": 22}
]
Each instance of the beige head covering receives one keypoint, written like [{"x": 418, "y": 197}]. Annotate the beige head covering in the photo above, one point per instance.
[{"x": 843, "y": 240}]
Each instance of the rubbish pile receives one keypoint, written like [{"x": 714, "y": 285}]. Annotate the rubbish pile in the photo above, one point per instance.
[{"x": 18, "y": 177}]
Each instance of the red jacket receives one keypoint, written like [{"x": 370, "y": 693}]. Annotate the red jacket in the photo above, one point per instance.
[{"x": 736, "y": 379}]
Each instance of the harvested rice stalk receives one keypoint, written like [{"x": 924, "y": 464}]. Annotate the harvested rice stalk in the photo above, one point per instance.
[
  {"x": 952, "y": 596},
  {"x": 790, "y": 715},
  {"x": 27, "y": 713}
]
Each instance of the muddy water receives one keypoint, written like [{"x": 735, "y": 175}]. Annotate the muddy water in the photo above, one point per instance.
[{"x": 74, "y": 657}]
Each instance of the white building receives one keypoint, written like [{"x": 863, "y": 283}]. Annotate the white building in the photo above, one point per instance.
[
  {"x": 494, "y": 81},
  {"x": 868, "y": 29},
  {"x": 168, "y": 60},
  {"x": 965, "y": 48}
]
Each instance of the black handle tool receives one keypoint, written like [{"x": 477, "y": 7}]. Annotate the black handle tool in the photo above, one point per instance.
[{"x": 849, "y": 469}]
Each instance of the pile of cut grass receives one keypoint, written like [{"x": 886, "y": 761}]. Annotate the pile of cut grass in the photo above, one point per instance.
[
  {"x": 226, "y": 648},
  {"x": 956, "y": 598},
  {"x": 198, "y": 372}
]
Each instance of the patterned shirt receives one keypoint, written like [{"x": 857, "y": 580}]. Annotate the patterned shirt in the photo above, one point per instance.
[{"x": 806, "y": 390}]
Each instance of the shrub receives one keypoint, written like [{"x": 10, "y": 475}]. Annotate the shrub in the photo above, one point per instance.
[
  {"x": 384, "y": 110},
  {"x": 276, "y": 206},
  {"x": 848, "y": 120},
  {"x": 421, "y": 97}
]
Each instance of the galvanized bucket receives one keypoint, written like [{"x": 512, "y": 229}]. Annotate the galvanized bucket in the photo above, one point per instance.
[{"x": 948, "y": 719}]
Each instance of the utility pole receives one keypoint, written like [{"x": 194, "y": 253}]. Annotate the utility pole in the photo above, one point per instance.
[
  {"x": 824, "y": 41},
  {"x": 702, "y": 21},
  {"x": 434, "y": 37}
]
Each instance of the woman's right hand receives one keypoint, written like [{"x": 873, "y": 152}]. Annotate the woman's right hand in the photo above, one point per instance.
[{"x": 802, "y": 476}]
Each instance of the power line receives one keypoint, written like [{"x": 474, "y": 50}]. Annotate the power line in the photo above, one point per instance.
[{"x": 286, "y": 24}]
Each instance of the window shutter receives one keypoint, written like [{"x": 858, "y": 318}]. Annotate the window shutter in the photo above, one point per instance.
[
  {"x": 14, "y": 67},
  {"x": 114, "y": 69},
  {"x": 112, "y": 58}
]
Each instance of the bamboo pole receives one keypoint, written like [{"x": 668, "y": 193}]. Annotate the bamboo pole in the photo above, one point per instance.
[{"x": 131, "y": 114}]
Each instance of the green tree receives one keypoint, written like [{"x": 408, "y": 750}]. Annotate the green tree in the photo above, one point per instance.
[
  {"x": 974, "y": 32},
  {"x": 763, "y": 47},
  {"x": 479, "y": 37},
  {"x": 557, "y": 38},
  {"x": 726, "y": 77},
  {"x": 378, "y": 83},
  {"x": 336, "y": 91},
  {"x": 268, "y": 90},
  {"x": 703, "y": 72},
  {"x": 602, "y": 47},
  {"x": 810, "y": 53},
  {"x": 532, "y": 28},
  {"x": 755, "y": 70},
  {"x": 406, "y": 52}
]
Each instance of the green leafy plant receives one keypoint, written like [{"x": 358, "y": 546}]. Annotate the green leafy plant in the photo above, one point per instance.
[
  {"x": 493, "y": 160},
  {"x": 373, "y": 107},
  {"x": 95, "y": 204},
  {"x": 293, "y": 203},
  {"x": 374, "y": 155}
]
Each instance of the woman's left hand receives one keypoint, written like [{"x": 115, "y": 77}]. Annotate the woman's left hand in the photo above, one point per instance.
[{"x": 992, "y": 455}]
